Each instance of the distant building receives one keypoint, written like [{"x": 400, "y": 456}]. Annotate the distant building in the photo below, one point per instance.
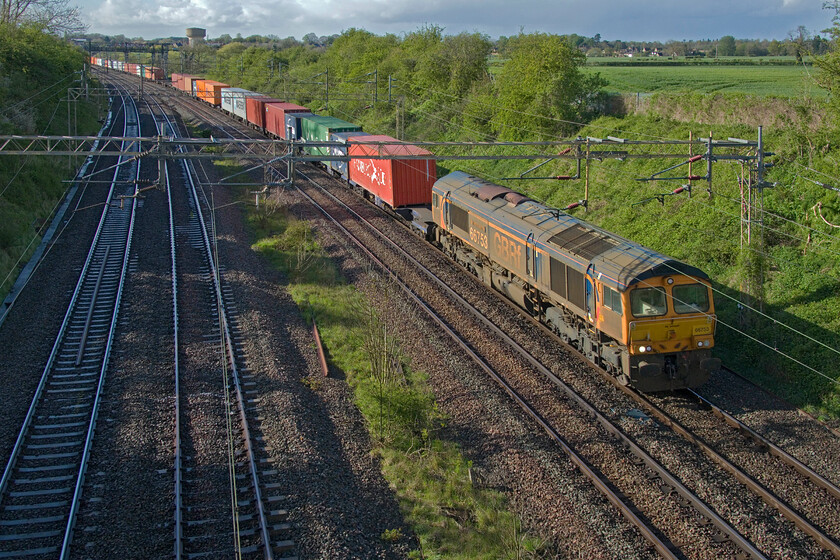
[{"x": 196, "y": 35}]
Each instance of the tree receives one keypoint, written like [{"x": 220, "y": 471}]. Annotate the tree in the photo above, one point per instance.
[
  {"x": 542, "y": 90},
  {"x": 54, "y": 16},
  {"x": 799, "y": 37},
  {"x": 726, "y": 46},
  {"x": 828, "y": 66}
]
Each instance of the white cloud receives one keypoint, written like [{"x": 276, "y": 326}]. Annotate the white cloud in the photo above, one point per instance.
[{"x": 638, "y": 20}]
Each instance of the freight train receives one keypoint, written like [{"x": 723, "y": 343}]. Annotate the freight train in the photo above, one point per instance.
[{"x": 643, "y": 317}]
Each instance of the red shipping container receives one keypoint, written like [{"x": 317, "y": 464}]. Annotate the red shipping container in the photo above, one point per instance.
[
  {"x": 153, "y": 73},
  {"x": 275, "y": 116},
  {"x": 255, "y": 110},
  {"x": 398, "y": 182}
]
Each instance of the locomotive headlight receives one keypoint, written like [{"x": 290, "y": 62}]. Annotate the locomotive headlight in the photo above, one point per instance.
[
  {"x": 641, "y": 348},
  {"x": 648, "y": 349},
  {"x": 700, "y": 343},
  {"x": 670, "y": 281}
]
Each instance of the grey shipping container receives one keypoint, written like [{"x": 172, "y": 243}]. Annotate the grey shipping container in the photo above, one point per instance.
[
  {"x": 233, "y": 100},
  {"x": 340, "y": 167}
]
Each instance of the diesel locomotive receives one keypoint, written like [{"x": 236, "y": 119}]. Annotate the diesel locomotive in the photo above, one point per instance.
[{"x": 647, "y": 319}]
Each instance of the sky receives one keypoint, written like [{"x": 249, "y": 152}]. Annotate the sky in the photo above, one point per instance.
[{"x": 627, "y": 20}]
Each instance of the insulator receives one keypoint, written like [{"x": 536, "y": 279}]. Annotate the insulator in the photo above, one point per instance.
[
  {"x": 698, "y": 157},
  {"x": 562, "y": 177}
]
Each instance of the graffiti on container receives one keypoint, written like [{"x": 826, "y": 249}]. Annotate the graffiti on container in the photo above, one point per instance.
[{"x": 368, "y": 169}]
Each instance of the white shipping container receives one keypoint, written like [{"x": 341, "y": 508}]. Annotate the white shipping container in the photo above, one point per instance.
[{"x": 233, "y": 100}]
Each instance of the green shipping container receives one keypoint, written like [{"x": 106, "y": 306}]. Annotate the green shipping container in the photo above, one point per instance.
[{"x": 318, "y": 128}]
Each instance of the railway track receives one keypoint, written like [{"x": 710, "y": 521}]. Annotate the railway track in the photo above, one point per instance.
[
  {"x": 41, "y": 487},
  {"x": 814, "y": 532},
  {"x": 827, "y": 542},
  {"x": 212, "y": 400},
  {"x": 628, "y": 509}
]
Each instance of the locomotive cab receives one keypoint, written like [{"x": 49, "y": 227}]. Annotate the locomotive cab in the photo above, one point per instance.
[{"x": 669, "y": 332}]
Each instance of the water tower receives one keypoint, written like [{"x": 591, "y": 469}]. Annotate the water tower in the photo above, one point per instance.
[{"x": 196, "y": 35}]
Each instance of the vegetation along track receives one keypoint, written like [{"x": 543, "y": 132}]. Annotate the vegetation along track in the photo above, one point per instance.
[
  {"x": 770, "y": 538},
  {"x": 768, "y": 532},
  {"x": 41, "y": 488},
  {"x": 556, "y": 414}
]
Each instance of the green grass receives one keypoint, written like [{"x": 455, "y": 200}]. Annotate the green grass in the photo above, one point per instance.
[
  {"x": 801, "y": 290},
  {"x": 695, "y": 61},
  {"x": 779, "y": 81},
  {"x": 31, "y": 190},
  {"x": 451, "y": 517}
]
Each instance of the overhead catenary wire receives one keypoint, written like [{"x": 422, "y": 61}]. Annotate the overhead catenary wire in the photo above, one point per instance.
[
  {"x": 756, "y": 340},
  {"x": 732, "y": 327}
]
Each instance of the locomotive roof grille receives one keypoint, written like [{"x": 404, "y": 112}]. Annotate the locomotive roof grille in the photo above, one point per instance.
[
  {"x": 515, "y": 199},
  {"x": 583, "y": 242}
]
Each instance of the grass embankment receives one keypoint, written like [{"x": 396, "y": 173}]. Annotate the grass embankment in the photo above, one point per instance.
[
  {"x": 794, "y": 249},
  {"x": 451, "y": 517},
  {"x": 35, "y": 72}
]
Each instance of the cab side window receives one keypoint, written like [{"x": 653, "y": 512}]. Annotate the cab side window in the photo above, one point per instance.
[{"x": 612, "y": 299}]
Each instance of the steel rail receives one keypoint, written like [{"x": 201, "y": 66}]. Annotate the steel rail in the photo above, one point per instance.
[
  {"x": 753, "y": 485},
  {"x": 246, "y": 434},
  {"x": 595, "y": 478},
  {"x": 228, "y": 339},
  {"x": 54, "y": 352},
  {"x": 701, "y": 507},
  {"x": 77, "y": 494},
  {"x": 178, "y": 471},
  {"x": 65, "y": 553},
  {"x": 771, "y": 447},
  {"x": 93, "y": 297},
  {"x": 178, "y": 451},
  {"x": 61, "y": 340}
]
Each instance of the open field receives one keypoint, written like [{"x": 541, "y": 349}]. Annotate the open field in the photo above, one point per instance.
[{"x": 782, "y": 81}]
